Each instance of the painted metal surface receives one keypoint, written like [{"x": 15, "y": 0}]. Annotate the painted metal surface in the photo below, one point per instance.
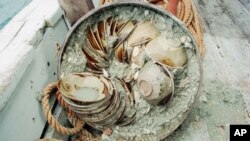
[
  {"x": 28, "y": 63},
  {"x": 23, "y": 116}
]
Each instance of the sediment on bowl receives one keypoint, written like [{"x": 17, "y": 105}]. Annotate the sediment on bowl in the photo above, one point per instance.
[{"x": 153, "y": 122}]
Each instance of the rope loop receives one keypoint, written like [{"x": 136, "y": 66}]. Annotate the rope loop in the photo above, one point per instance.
[{"x": 78, "y": 124}]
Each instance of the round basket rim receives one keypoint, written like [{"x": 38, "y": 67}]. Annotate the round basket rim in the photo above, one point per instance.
[{"x": 149, "y": 7}]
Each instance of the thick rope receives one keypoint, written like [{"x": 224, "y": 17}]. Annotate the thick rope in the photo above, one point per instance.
[
  {"x": 188, "y": 14},
  {"x": 84, "y": 134},
  {"x": 78, "y": 124},
  {"x": 87, "y": 136}
]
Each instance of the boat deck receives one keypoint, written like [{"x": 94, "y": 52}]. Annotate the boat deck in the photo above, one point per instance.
[{"x": 225, "y": 90}]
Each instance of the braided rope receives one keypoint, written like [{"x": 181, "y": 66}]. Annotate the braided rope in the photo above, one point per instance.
[
  {"x": 84, "y": 134},
  {"x": 186, "y": 11},
  {"x": 78, "y": 124},
  {"x": 87, "y": 136},
  {"x": 180, "y": 12},
  {"x": 199, "y": 31}
]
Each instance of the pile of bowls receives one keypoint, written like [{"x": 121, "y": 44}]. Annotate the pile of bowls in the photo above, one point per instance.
[{"x": 96, "y": 100}]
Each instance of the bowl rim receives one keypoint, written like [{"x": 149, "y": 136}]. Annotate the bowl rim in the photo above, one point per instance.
[
  {"x": 73, "y": 99},
  {"x": 113, "y": 5}
]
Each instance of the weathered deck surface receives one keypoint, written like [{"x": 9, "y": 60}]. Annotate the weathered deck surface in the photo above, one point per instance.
[
  {"x": 225, "y": 92},
  {"x": 225, "y": 95}
]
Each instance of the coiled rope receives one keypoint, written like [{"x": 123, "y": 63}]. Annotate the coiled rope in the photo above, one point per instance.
[
  {"x": 188, "y": 14},
  {"x": 74, "y": 120}
]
